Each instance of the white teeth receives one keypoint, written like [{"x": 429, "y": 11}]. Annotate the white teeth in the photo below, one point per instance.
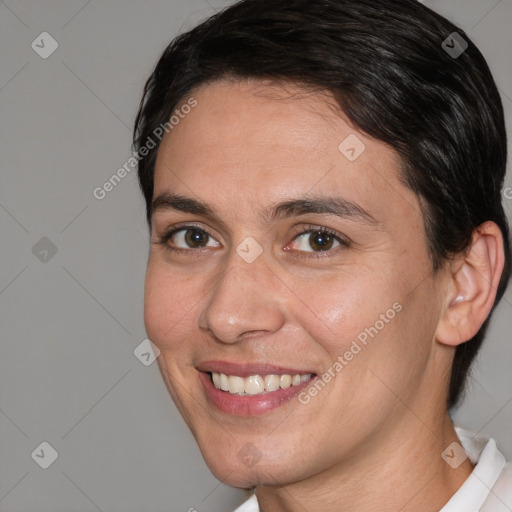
[
  {"x": 271, "y": 382},
  {"x": 224, "y": 382},
  {"x": 236, "y": 384},
  {"x": 256, "y": 384},
  {"x": 285, "y": 381}
]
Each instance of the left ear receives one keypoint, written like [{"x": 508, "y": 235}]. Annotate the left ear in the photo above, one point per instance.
[{"x": 474, "y": 280}]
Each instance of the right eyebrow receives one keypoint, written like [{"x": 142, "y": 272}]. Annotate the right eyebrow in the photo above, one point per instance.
[{"x": 168, "y": 201}]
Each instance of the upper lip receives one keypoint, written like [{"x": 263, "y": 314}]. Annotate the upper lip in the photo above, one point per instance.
[{"x": 248, "y": 369}]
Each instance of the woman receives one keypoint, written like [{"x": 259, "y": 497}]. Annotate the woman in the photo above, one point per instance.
[{"x": 322, "y": 181}]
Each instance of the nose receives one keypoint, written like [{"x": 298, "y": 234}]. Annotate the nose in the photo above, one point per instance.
[{"x": 245, "y": 299}]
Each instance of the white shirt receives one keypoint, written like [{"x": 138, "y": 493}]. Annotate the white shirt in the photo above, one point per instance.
[{"x": 487, "y": 489}]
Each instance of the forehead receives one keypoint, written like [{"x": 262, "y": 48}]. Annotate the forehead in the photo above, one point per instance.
[
  {"x": 248, "y": 117},
  {"x": 246, "y": 144}
]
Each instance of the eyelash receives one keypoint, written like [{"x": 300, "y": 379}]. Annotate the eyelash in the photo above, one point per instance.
[{"x": 166, "y": 236}]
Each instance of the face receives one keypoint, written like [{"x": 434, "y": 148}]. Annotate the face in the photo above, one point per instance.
[{"x": 289, "y": 265}]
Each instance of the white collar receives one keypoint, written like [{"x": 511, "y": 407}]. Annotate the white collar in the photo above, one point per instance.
[{"x": 479, "y": 488}]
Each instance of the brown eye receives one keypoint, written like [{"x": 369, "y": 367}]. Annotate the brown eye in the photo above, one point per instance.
[
  {"x": 191, "y": 238},
  {"x": 317, "y": 240},
  {"x": 321, "y": 241},
  {"x": 196, "y": 237}
]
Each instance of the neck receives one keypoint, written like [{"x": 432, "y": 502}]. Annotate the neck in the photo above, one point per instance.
[{"x": 400, "y": 469}]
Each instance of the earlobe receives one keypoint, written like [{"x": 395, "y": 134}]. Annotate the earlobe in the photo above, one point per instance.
[{"x": 474, "y": 280}]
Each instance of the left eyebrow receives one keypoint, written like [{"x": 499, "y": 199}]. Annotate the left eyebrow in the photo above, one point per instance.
[{"x": 337, "y": 206}]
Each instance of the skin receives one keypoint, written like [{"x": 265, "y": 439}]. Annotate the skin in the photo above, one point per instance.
[{"x": 372, "y": 438}]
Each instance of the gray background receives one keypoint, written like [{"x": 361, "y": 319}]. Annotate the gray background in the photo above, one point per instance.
[{"x": 69, "y": 325}]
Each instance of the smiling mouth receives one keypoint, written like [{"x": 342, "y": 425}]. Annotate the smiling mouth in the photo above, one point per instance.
[{"x": 256, "y": 384}]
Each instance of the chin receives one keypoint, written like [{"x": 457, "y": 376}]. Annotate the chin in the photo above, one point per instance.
[{"x": 248, "y": 467}]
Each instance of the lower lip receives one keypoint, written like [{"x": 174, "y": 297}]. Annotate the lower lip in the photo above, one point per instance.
[{"x": 249, "y": 405}]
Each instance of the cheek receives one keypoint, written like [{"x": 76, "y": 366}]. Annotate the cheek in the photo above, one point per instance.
[
  {"x": 166, "y": 304},
  {"x": 369, "y": 319},
  {"x": 341, "y": 307}
]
